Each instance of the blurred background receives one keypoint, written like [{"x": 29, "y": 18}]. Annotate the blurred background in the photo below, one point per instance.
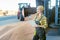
[
  {"x": 19, "y": 13},
  {"x": 10, "y": 7}
]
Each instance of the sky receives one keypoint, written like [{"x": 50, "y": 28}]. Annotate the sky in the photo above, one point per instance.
[
  {"x": 13, "y": 4},
  {"x": 8, "y": 4}
]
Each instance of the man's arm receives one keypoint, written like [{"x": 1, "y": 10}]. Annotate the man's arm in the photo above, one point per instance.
[{"x": 44, "y": 23}]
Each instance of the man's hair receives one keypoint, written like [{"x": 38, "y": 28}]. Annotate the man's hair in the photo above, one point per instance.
[{"x": 40, "y": 7}]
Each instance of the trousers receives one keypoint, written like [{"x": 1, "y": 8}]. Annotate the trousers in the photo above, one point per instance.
[{"x": 40, "y": 34}]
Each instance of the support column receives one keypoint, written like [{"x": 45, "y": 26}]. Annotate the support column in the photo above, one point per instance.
[{"x": 56, "y": 13}]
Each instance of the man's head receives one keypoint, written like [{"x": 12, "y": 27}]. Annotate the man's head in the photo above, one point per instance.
[{"x": 40, "y": 9}]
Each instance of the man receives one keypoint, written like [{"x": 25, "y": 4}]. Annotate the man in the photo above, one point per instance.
[{"x": 41, "y": 24}]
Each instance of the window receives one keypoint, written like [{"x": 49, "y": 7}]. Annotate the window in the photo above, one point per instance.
[{"x": 51, "y": 4}]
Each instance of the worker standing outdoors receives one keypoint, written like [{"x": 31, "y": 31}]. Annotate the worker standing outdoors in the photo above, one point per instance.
[{"x": 41, "y": 24}]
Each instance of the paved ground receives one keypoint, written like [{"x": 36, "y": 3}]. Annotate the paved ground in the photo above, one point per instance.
[
  {"x": 2, "y": 18},
  {"x": 8, "y": 20}
]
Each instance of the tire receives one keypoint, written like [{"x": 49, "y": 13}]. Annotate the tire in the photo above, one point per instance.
[
  {"x": 21, "y": 18},
  {"x": 18, "y": 17}
]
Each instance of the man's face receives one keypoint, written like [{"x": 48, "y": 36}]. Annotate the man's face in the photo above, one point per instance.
[{"x": 39, "y": 11}]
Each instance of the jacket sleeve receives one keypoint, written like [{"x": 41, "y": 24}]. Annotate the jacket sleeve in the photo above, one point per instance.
[{"x": 44, "y": 22}]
